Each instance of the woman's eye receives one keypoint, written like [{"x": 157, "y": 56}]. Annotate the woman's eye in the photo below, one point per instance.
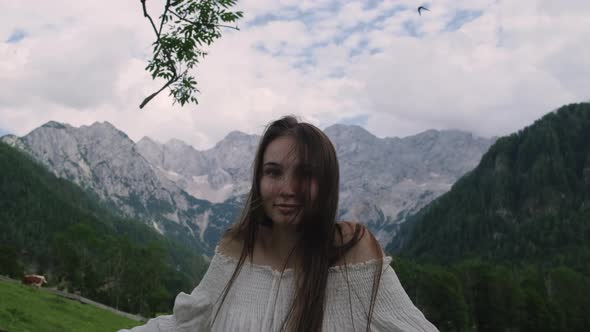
[{"x": 272, "y": 172}]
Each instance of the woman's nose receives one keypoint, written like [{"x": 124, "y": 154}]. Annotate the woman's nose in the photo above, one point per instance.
[{"x": 288, "y": 186}]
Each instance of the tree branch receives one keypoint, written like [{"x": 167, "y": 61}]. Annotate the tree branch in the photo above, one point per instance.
[
  {"x": 198, "y": 25},
  {"x": 150, "y": 97},
  {"x": 145, "y": 14},
  {"x": 159, "y": 31},
  {"x": 178, "y": 50},
  {"x": 163, "y": 15},
  {"x": 167, "y": 54}
]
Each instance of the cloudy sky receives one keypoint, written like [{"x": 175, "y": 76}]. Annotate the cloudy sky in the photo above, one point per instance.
[{"x": 489, "y": 67}]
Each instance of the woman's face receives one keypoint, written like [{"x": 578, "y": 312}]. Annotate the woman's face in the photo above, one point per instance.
[{"x": 280, "y": 182}]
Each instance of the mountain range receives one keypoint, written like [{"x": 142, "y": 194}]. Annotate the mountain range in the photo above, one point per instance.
[{"x": 193, "y": 195}]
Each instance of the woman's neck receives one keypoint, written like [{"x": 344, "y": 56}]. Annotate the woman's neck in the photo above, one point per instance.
[{"x": 276, "y": 246}]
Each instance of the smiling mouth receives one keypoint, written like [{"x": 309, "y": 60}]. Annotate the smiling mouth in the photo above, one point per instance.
[{"x": 287, "y": 209}]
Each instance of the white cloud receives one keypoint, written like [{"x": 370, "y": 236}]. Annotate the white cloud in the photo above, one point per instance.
[{"x": 81, "y": 62}]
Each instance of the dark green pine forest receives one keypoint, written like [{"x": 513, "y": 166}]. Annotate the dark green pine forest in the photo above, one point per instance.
[
  {"x": 52, "y": 227},
  {"x": 508, "y": 247}
]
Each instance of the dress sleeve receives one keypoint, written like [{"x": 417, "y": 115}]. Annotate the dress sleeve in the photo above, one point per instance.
[
  {"x": 394, "y": 310},
  {"x": 192, "y": 312}
]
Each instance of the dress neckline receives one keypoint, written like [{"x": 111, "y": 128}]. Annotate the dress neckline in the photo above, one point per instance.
[{"x": 287, "y": 272}]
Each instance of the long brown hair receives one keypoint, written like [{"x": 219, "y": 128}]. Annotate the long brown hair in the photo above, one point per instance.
[{"x": 317, "y": 246}]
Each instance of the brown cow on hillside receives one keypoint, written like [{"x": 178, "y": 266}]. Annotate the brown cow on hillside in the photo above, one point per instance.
[{"x": 34, "y": 279}]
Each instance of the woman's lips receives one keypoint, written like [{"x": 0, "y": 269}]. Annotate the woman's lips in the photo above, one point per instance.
[{"x": 287, "y": 208}]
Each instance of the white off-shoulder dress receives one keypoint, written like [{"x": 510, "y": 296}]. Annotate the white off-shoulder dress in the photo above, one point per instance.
[{"x": 260, "y": 297}]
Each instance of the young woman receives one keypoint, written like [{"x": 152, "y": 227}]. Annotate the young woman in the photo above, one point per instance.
[{"x": 287, "y": 265}]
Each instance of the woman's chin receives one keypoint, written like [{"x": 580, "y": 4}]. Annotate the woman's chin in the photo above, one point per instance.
[{"x": 285, "y": 220}]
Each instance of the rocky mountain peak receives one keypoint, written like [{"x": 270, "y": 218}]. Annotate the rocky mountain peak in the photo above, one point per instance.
[
  {"x": 235, "y": 139},
  {"x": 148, "y": 142},
  {"x": 175, "y": 143},
  {"x": 151, "y": 150},
  {"x": 349, "y": 133},
  {"x": 236, "y": 135},
  {"x": 102, "y": 129},
  {"x": 55, "y": 125}
]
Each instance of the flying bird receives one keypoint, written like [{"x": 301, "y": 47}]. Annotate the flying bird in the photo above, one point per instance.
[{"x": 421, "y": 8}]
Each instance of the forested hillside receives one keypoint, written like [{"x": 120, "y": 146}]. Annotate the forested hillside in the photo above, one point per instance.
[
  {"x": 508, "y": 248},
  {"x": 52, "y": 227},
  {"x": 527, "y": 201}
]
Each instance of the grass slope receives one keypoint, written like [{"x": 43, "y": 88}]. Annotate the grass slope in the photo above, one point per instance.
[{"x": 25, "y": 308}]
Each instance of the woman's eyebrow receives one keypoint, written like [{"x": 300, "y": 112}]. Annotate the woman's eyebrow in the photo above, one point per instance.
[{"x": 271, "y": 163}]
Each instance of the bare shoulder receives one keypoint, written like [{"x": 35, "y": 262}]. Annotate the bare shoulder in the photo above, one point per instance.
[
  {"x": 366, "y": 249},
  {"x": 230, "y": 246}
]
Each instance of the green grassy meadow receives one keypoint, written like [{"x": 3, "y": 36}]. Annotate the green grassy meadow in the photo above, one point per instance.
[{"x": 25, "y": 308}]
